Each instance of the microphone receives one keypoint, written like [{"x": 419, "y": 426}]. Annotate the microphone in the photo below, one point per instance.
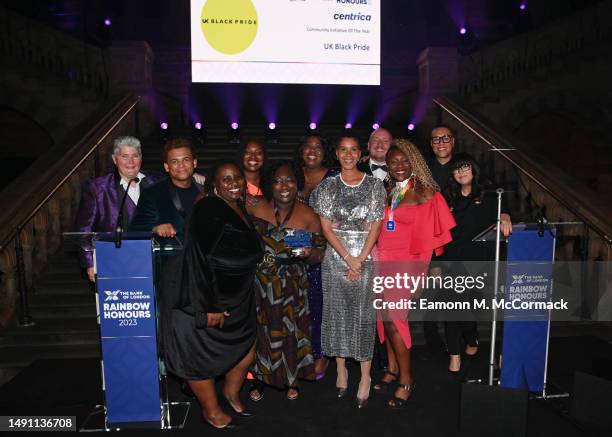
[{"x": 119, "y": 227}]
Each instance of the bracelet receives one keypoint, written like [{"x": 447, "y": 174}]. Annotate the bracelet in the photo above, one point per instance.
[{"x": 346, "y": 256}]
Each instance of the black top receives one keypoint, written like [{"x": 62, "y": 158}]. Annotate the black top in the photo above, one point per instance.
[
  {"x": 440, "y": 172},
  {"x": 472, "y": 215},
  {"x": 221, "y": 254},
  {"x": 187, "y": 197},
  {"x": 217, "y": 274}
]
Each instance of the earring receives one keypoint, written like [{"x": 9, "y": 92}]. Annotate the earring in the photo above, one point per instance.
[{"x": 216, "y": 193}]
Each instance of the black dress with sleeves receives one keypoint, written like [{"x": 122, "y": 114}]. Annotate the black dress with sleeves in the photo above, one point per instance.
[{"x": 219, "y": 263}]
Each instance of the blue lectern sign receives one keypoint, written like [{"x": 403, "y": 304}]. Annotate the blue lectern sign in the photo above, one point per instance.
[
  {"x": 126, "y": 302},
  {"x": 529, "y": 279}
]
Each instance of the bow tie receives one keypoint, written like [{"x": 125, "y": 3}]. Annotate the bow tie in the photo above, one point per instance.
[{"x": 375, "y": 167}]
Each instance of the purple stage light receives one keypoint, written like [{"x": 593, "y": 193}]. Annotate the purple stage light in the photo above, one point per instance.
[
  {"x": 375, "y": 126},
  {"x": 523, "y": 6},
  {"x": 463, "y": 31},
  {"x": 410, "y": 126},
  {"x": 348, "y": 126},
  {"x": 312, "y": 125},
  {"x": 163, "y": 125},
  {"x": 198, "y": 125},
  {"x": 234, "y": 125},
  {"x": 272, "y": 126},
  {"x": 107, "y": 22}
]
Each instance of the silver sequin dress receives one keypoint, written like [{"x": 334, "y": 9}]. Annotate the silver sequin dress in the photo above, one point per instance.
[{"x": 349, "y": 319}]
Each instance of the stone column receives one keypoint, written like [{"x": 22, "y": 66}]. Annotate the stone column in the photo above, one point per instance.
[
  {"x": 131, "y": 69},
  {"x": 438, "y": 74},
  {"x": 438, "y": 70}
]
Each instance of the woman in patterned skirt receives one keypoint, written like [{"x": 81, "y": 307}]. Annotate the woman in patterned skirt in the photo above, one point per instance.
[
  {"x": 351, "y": 206},
  {"x": 284, "y": 348}
]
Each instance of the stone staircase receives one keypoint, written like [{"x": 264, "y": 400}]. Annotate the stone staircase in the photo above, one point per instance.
[
  {"x": 216, "y": 143},
  {"x": 62, "y": 303},
  {"x": 63, "y": 309}
]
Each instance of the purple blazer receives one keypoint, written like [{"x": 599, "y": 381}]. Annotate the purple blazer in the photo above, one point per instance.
[{"x": 99, "y": 206}]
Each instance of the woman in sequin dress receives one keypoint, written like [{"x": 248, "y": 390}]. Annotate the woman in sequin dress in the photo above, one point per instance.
[
  {"x": 351, "y": 206},
  {"x": 314, "y": 157}
]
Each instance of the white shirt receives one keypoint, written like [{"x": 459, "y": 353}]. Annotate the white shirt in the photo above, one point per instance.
[
  {"x": 134, "y": 191},
  {"x": 378, "y": 173}
]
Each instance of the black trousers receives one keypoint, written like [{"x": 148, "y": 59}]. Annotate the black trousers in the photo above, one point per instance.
[{"x": 458, "y": 332}]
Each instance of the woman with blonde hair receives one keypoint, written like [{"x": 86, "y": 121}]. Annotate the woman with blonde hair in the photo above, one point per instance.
[{"x": 417, "y": 223}]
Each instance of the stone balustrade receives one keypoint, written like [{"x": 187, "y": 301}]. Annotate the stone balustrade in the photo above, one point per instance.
[{"x": 52, "y": 211}]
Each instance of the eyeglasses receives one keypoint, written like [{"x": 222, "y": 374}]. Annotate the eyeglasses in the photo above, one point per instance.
[
  {"x": 463, "y": 169},
  {"x": 443, "y": 139}
]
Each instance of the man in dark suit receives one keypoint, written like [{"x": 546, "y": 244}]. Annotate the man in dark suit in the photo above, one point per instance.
[
  {"x": 163, "y": 209},
  {"x": 164, "y": 206},
  {"x": 101, "y": 197},
  {"x": 375, "y": 165}
]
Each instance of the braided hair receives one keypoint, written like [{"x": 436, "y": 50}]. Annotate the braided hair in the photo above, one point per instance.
[{"x": 424, "y": 179}]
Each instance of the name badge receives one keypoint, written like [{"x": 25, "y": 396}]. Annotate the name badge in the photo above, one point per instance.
[{"x": 390, "y": 226}]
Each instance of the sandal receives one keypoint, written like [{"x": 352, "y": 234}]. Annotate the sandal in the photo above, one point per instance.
[
  {"x": 398, "y": 403},
  {"x": 382, "y": 385},
  {"x": 294, "y": 396},
  {"x": 256, "y": 392}
]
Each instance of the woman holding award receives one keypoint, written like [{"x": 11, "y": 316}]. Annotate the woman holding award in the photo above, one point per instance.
[
  {"x": 351, "y": 207},
  {"x": 417, "y": 222},
  {"x": 291, "y": 232}
]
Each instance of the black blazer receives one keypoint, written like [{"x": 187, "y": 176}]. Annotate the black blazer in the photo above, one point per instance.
[
  {"x": 155, "y": 207},
  {"x": 365, "y": 167}
]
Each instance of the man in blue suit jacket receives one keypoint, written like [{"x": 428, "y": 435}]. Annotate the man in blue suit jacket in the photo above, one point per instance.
[{"x": 165, "y": 205}]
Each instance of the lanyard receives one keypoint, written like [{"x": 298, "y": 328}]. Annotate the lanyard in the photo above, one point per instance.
[
  {"x": 280, "y": 225},
  {"x": 398, "y": 195}
]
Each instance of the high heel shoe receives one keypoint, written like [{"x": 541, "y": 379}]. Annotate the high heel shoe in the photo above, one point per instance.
[
  {"x": 256, "y": 392},
  {"x": 398, "y": 403},
  {"x": 362, "y": 402},
  {"x": 229, "y": 426},
  {"x": 245, "y": 413},
  {"x": 320, "y": 375},
  {"x": 382, "y": 385},
  {"x": 341, "y": 391}
]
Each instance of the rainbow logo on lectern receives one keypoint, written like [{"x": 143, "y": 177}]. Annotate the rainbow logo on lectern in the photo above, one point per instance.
[{"x": 229, "y": 27}]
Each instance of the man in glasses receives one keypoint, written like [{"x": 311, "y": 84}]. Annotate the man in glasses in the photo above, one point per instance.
[{"x": 442, "y": 143}]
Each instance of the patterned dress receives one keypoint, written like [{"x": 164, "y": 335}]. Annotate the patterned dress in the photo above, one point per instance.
[
  {"x": 349, "y": 318},
  {"x": 283, "y": 348}
]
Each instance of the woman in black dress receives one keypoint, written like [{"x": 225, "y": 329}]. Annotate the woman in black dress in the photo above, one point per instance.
[
  {"x": 473, "y": 210},
  {"x": 209, "y": 329},
  {"x": 315, "y": 158}
]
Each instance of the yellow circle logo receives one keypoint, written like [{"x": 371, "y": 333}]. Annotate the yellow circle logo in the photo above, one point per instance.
[{"x": 229, "y": 26}]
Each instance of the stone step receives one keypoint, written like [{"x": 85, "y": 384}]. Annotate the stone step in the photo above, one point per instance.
[
  {"x": 18, "y": 356},
  {"x": 53, "y": 302},
  {"x": 52, "y": 332}
]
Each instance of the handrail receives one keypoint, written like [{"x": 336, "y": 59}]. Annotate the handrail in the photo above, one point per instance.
[
  {"x": 47, "y": 175},
  {"x": 580, "y": 201}
]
